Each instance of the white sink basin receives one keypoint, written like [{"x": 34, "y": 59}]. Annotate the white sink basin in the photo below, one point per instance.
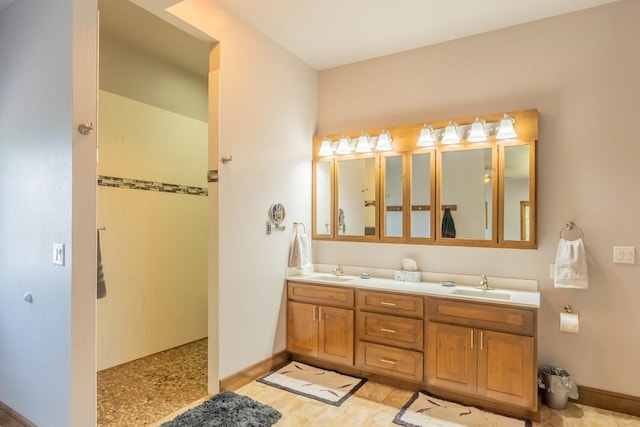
[
  {"x": 479, "y": 293},
  {"x": 331, "y": 278}
]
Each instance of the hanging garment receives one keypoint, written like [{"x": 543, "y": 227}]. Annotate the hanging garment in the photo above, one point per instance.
[
  {"x": 448, "y": 226},
  {"x": 102, "y": 284}
]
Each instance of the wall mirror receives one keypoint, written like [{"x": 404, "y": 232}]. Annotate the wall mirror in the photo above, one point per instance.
[
  {"x": 323, "y": 198},
  {"x": 518, "y": 194},
  {"x": 466, "y": 195},
  {"x": 393, "y": 196},
  {"x": 466, "y": 182},
  {"x": 422, "y": 168},
  {"x": 356, "y": 210}
]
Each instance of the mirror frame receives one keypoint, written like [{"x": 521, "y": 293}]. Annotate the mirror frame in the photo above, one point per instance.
[
  {"x": 404, "y": 140},
  {"x": 336, "y": 191},
  {"x": 533, "y": 197},
  {"x": 314, "y": 195},
  {"x": 383, "y": 199},
  {"x": 432, "y": 196},
  {"x": 458, "y": 241}
]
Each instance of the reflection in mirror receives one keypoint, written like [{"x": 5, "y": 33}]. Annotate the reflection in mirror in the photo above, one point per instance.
[
  {"x": 421, "y": 195},
  {"x": 393, "y": 196},
  {"x": 467, "y": 190},
  {"x": 517, "y": 214},
  {"x": 357, "y": 197},
  {"x": 323, "y": 198}
]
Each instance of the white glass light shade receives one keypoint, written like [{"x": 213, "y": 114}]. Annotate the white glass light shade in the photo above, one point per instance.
[
  {"x": 451, "y": 134},
  {"x": 477, "y": 133},
  {"x": 384, "y": 142},
  {"x": 325, "y": 148},
  {"x": 506, "y": 130},
  {"x": 426, "y": 137},
  {"x": 343, "y": 146},
  {"x": 363, "y": 144}
]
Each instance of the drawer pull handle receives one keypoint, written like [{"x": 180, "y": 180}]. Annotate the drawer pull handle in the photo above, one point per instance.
[
  {"x": 391, "y": 331},
  {"x": 315, "y": 317},
  {"x": 320, "y": 314},
  {"x": 481, "y": 341},
  {"x": 388, "y": 304},
  {"x": 388, "y": 361},
  {"x": 472, "y": 338}
]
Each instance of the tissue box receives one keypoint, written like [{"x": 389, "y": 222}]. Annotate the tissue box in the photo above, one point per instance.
[{"x": 408, "y": 276}]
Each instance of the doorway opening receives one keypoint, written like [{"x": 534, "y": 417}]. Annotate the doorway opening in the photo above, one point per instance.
[{"x": 153, "y": 216}]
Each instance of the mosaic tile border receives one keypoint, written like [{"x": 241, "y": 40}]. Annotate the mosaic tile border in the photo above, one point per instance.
[{"x": 138, "y": 184}]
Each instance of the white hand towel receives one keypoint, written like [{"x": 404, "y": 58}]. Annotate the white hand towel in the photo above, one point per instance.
[
  {"x": 571, "y": 265},
  {"x": 300, "y": 251}
]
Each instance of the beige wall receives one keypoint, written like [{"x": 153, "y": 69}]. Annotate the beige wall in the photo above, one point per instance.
[
  {"x": 154, "y": 250},
  {"x": 581, "y": 71},
  {"x": 267, "y": 116}
]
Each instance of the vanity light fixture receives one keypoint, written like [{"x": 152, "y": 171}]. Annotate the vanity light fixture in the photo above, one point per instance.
[
  {"x": 477, "y": 132},
  {"x": 325, "y": 147},
  {"x": 506, "y": 130},
  {"x": 343, "y": 146},
  {"x": 451, "y": 134},
  {"x": 426, "y": 137},
  {"x": 363, "y": 144},
  {"x": 384, "y": 141}
]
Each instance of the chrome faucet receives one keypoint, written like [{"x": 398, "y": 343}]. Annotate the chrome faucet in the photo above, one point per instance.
[
  {"x": 484, "y": 284},
  {"x": 338, "y": 271}
]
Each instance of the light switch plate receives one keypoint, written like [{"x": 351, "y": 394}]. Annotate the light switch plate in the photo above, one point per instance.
[
  {"x": 624, "y": 254},
  {"x": 58, "y": 253}
]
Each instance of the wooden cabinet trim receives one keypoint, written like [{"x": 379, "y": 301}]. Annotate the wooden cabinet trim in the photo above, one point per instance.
[
  {"x": 392, "y": 330},
  {"x": 321, "y": 294},
  {"x": 485, "y": 316},
  {"x": 392, "y": 361},
  {"x": 390, "y": 302}
]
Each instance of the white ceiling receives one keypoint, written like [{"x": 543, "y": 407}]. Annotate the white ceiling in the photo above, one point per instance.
[
  {"x": 4, "y": 3},
  {"x": 330, "y": 33}
]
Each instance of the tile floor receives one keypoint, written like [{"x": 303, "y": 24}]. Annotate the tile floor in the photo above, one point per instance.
[
  {"x": 126, "y": 398},
  {"x": 142, "y": 391}
]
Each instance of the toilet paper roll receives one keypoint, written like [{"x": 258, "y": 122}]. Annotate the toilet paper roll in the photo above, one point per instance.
[{"x": 569, "y": 322}]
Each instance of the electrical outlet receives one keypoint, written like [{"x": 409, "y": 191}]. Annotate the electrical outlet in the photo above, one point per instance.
[{"x": 58, "y": 253}]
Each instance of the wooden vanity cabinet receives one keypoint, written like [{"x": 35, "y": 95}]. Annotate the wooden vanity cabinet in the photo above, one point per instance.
[
  {"x": 483, "y": 350},
  {"x": 390, "y": 334},
  {"x": 320, "y": 322}
]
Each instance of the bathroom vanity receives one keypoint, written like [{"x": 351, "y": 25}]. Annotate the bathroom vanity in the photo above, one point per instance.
[{"x": 456, "y": 342}]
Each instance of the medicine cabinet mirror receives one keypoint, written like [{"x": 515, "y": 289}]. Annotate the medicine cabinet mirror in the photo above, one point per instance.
[
  {"x": 466, "y": 194},
  {"x": 356, "y": 212}
]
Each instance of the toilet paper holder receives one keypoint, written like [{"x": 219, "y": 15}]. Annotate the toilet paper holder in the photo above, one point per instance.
[{"x": 568, "y": 308}]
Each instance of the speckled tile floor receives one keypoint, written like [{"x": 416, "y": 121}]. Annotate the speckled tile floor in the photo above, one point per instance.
[{"x": 142, "y": 391}]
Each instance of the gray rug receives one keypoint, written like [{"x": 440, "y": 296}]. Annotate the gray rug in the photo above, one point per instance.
[{"x": 227, "y": 409}]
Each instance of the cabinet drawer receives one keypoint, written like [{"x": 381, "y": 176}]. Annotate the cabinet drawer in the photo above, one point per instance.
[
  {"x": 392, "y": 330},
  {"x": 391, "y": 361},
  {"x": 319, "y": 294},
  {"x": 485, "y": 316},
  {"x": 386, "y": 302}
]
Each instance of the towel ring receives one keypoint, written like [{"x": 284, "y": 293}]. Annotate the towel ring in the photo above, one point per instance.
[
  {"x": 296, "y": 224},
  {"x": 571, "y": 226}
]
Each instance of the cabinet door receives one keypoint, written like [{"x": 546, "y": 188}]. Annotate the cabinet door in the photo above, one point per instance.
[
  {"x": 451, "y": 357},
  {"x": 506, "y": 364},
  {"x": 336, "y": 335},
  {"x": 302, "y": 328}
]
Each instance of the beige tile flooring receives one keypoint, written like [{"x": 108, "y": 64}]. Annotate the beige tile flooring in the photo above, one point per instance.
[{"x": 143, "y": 392}]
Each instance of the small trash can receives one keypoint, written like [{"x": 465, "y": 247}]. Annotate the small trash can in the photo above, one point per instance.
[{"x": 558, "y": 386}]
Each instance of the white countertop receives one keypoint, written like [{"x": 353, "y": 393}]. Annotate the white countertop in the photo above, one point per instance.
[{"x": 520, "y": 298}]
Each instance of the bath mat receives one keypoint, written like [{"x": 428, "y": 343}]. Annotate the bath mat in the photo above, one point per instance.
[
  {"x": 424, "y": 409},
  {"x": 315, "y": 383},
  {"x": 227, "y": 409}
]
